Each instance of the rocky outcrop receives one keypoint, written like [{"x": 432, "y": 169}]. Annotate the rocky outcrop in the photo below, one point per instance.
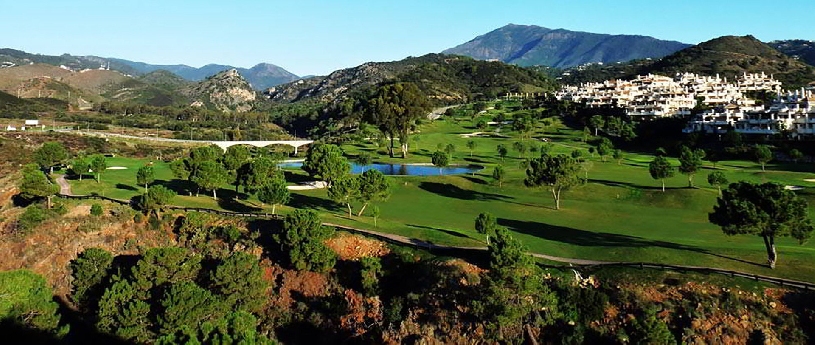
[
  {"x": 336, "y": 84},
  {"x": 227, "y": 91}
]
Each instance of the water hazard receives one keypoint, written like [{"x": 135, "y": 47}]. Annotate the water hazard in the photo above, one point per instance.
[{"x": 402, "y": 169}]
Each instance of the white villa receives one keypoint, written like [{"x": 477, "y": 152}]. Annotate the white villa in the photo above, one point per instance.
[
  {"x": 655, "y": 95},
  {"x": 652, "y": 95},
  {"x": 792, "y": 111}
]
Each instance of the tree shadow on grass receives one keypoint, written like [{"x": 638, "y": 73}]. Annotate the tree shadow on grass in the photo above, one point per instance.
[
  {"x": 126, "y": 187},
  {"x": 227, "y": 200},
  {"x": 180, "y": 187},
  {"x": 451, "y": 191},
  {"x": 474, "y": 179},
  {"x": 475, "y": 160},
  {"x": 599, "y": 239},
  {"x": 294, "y": 177},
  {"x": 611, "y": 183},
  {"x": 310, "y": 202},
  {"x": 449, "y": 232}
]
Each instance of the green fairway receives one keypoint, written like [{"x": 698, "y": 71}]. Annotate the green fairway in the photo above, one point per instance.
[{"x": 621, "y": 214}]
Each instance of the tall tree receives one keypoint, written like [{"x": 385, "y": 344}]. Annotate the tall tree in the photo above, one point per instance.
[
  {"x": 767, "y": 210},
  {"x": 521, "y": 148},
  {"x": 185, "y": 304},
  {"x": 327, "y": 162},
  {"x": 27, "y": 303},
  {"x": 690, "y": 161},
  {"x": 596, "y": 122},
  {"x": 209, "y": 175},
  {"x": 345, "y": 190},
  {"x": 618, "y": 155},
  {"x": 50, "y": 154},
  {"x": 604, "y": 148},
  {"x": 502, "y": 151},
  {"x": 79, "y": 166},
  {"x": 558, "y": 173},
  {"x": 363, "y": 159},
  {"x": 796, "y": 155},
  {"x": 660, "y": 169},
  {"x": 145, "y": 176},
  {"x": 155, "y": 199},
  {"x": 238, "y": 279},
  {"x": 471, "y": 145},
  {"x": 440, "y": 159},
  {"x": 395, "y": 109},
  {"x": 235, "y": 157},
  {"x": 499, "y": 174},
  {"x": 717, "y": 178},
  {"x": 763, "y": 154},
  {"x": 98, "y": 165},
  {"x": 523, "y": 123},
  {"x": 512, "y": 294},
  {"x": 373, "y": 186},
  {"x": 257, "y": 173},
  {"x": 450, "y": 149},
  {"x": 36, "y": 185},
  {"x": 303, "y": 238},
  {"x": 274, "y": 192},
  {"x": 485, "y": 224},
  {"x": 124, "y": 313},
  {"x": 89, "y": 270}
]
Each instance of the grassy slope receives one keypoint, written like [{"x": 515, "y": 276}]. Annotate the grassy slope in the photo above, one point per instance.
[{"x": 621, "y": 215}]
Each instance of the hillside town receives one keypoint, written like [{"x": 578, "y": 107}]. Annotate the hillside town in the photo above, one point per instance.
[{"x": 720, "y": 104}]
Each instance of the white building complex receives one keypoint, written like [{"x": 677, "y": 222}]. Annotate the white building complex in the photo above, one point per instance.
[
  {"x": 728, "y": 106},
  {"x": 791, "y": 111}
]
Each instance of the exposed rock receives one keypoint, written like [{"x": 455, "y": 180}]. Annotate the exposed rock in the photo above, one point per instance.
[{"x": 227, "y": 91}]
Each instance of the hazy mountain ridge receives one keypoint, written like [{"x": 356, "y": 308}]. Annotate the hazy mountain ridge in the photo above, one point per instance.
[
  {"x": 802, "y": 50},
  {"x": 529, "y": 45},
  {"x": 261, "y": 76}
]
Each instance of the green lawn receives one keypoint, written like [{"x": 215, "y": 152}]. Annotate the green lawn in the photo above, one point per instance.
[{"x": 620, "y": 215}]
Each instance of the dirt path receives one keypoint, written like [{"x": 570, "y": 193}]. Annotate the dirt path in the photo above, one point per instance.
[
  {"x": 430, "y": 245},
  {"x": 64, "y": 186}
]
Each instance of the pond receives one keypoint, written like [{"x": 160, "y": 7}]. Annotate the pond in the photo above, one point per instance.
[{"x": 401, "y": 169}]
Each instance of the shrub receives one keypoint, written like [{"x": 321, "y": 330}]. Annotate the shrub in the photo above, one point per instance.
[
  {"x": 32, "y": 216},
  {"x": 96, "y": 210},
  {"x": 154, "y": 222}
]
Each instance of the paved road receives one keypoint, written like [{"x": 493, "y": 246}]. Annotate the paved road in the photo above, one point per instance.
[{"x": 64, "y": 186}]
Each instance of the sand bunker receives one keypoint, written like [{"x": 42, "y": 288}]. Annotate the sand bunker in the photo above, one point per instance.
[
  {"x": 308, "y": 185},
  {"x": 793, "y": 187},
  {"x": 117, "y": 168},
  {"x": 809, "y": 179}
]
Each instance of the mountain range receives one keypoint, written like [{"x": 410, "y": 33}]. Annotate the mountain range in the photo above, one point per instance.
[
  {"x": 802, "y": 50},
  {"x": 443, "y": 78},
  {"x": 728, "y": 56},
  {"x": 530, "y": 45},
  {"x": 261, "y": 76}
]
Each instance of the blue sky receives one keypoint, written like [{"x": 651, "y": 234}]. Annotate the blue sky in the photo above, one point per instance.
[{"x": 317, "y": 37}]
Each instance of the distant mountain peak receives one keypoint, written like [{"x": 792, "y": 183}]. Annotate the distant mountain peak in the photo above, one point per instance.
[{"x": 529, "y": 45}]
